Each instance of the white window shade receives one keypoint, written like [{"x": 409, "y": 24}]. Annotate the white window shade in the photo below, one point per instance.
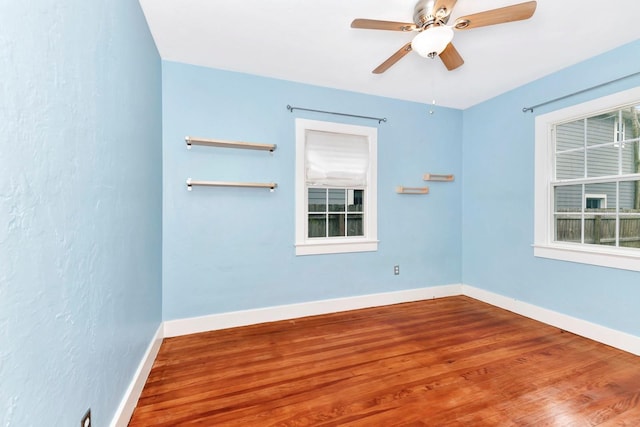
[{"x": 336, "y": 160}]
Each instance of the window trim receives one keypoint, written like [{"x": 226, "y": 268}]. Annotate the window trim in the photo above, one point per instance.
[
  {"x": 544, "y": 246},
  {"x": 333, "y": 245}
]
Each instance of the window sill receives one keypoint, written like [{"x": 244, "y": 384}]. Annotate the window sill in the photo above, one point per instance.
[
  {"x": 339, "y": 247},
  {"x": 621, "y": 258}
]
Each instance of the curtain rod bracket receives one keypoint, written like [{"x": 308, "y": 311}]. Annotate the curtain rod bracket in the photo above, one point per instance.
[{"x": 380, "y": 120}]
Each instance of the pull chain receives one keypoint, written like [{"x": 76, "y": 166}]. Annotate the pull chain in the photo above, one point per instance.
[{"x": 433, "y": 93}]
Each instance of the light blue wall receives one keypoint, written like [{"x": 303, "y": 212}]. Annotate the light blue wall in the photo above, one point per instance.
[
  {"x": 228, "y": 249},
  {"x": 498, "y": 167},
  {"x": 80, "y": 207}
]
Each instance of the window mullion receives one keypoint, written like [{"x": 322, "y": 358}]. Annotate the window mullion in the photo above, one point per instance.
[
  {"x": 597, "y": 179},
  {"x": 620, "y": 139},
  {"x": 586, "y": 174},
  {"x": 586, "y": 152},
  {"x": 617, "y": 231},
  {"x": 346, "y": 208},
  {"x": 326, "y": 212},
  {"x": 582, "y": 214}
]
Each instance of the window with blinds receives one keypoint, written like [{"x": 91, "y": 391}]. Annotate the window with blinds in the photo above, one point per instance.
[{"x": 335, "y": 188}]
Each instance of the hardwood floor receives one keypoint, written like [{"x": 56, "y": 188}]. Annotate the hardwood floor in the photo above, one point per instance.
[{"x": 444, "y": 362}]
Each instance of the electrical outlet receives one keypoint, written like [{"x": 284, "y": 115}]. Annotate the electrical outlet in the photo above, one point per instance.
[
  {"x": 396, "y": 269},
  {"x": 86, "y": 420}
]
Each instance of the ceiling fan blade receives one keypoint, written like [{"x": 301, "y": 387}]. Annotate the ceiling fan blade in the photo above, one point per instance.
[
  {"x": 451, "y": 58},
  {"x": 393, "y": 59},
  {"x": 517, "y": 12},
  {"x": 373, "y": 24},
  {"x": 445, "y": 5}
]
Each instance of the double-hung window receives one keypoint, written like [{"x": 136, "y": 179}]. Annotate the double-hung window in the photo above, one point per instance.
[
  {"x": 335, "y": 188},
  {"x": 588, "y": 182}
]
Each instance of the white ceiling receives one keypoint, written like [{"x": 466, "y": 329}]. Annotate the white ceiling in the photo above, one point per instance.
[{"x": 310, "y": 41}]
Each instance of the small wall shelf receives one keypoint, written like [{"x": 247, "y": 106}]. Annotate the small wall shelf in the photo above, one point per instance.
[
  {"x": 437, "y": 177},
  {"x": 192, "y": 182},
  {"x": 412, "y": 190},
  {"x": 190, "y": 140}
]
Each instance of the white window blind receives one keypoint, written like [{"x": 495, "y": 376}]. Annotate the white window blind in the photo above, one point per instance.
[{"x": 336, "y": 159}]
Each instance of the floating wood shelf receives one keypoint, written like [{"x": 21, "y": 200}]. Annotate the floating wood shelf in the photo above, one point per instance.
[
  {"x": 190, "y": 140},
  {"x": 437, "y": 177},
  {"x": 412, "y": 190},
  {"x": 192, "y": 182}
]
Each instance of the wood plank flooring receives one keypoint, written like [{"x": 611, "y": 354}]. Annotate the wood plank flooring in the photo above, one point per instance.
[{"x": 444, "y": 362}]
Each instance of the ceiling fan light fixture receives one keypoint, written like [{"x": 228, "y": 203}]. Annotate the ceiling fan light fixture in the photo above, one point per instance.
[{"x": 432, "y": 41}]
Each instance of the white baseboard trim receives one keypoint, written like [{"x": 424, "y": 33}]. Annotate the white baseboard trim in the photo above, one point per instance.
[
  {"x": 612, "y": 337},
  {"x": 602, "y": 334},
  {"x": 233, "y": 319},
  {"x": 128, "y": 404}
]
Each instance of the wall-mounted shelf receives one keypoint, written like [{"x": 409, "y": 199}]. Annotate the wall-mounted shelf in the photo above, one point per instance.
[
  {"x": 412, "y": 190},
  {"x": 437, "y": 177},
  {"x": 192, "y": 182},
  {"x": 190, "y": 140}
]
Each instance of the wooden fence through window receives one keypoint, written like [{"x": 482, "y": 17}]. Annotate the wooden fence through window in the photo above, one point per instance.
[{"x": 599, "y": 229}]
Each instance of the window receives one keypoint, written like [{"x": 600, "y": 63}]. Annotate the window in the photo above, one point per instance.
[
  {"x": 595, "y": 201},
  {"x": 336, "y": 200},
  {"x": 587, "y": 183}
]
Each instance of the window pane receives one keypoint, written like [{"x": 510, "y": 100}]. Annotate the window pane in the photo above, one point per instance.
[
  {"x": 631, "y": 125},
  {"x": 570, "y": 135},
  {"x": 570, "y": 165},
  {"x": 355, "y": 200},
  {"x": 336, "y": 200},
  {"x": 317, "y": 225},
  {"x": 630, "y": 231},
  {"x": 630, "y": 157},
  {"x": 354, "y": 225},
  {"x": 600, "y": 229},
  {"x": 568, "y": 228},
  {"x": 336, "y": 225},
  {"x": 602, "y": 161},
  {"x": 600, "y": 198},
  {"x": 630, "y": 197},
  {"x": 602, "y": 129},
  {"x": 317, "y": 200},
  {"x": 568, "y": 198}
]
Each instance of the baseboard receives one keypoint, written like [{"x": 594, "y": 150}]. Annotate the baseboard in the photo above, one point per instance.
[
  {"x": 611, "y": 337},
  {"x": 608, "y": 336},
  {"x": 130, "y": 399},
  {"x": 285, "y": 312}
]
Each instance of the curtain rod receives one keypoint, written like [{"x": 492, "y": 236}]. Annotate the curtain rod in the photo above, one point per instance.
[
  {"x": 530, "y": 109},
  {"x": 380, "y": 120}
]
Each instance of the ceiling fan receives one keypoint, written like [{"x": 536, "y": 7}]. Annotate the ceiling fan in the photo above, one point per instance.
[{"x": 434, "y": 37}]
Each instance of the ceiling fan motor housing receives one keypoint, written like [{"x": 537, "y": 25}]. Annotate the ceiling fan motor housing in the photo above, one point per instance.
[{"x": 424, "y": 15}]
